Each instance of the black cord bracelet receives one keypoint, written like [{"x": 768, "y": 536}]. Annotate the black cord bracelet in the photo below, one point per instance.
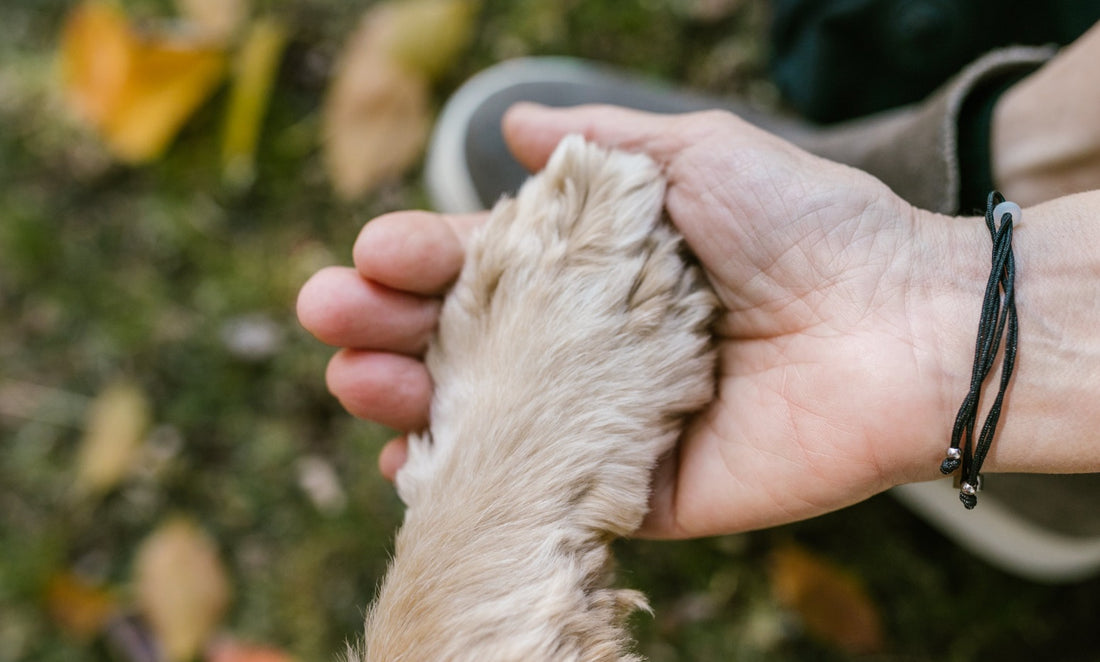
[{"x": 998, "y": 320}]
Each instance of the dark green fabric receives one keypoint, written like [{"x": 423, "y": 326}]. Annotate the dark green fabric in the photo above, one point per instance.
[
  {"x": 975, "y": 123},
  {"x": 840, "y": 59}
]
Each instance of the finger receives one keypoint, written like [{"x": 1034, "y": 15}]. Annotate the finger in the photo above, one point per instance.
[
  {"x": 740, "y": 466},
  {"x": 415, "y": 251},
  {"x": 676, "y": 511},
  {"x": 342, "y": 309},
  {"x": 755, "y": 460},
  {"x": 393, "y": 457},
  {"x": 390, "y": 389},
  {"x": 660, "y": 522},
  {"x": 533, "y": 131}
]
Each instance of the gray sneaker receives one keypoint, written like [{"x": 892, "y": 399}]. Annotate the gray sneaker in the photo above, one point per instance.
[
  {"x": 469, "y": 167},
  {"x": 1041, "y": 527}
]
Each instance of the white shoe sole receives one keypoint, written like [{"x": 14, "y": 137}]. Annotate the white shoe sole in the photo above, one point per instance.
[
  {"x": 999, "y": 536},
  {"x": 446, "y": 172}
]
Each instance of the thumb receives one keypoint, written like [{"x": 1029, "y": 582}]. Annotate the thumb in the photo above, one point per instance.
[{"x": 532, "y": 131}]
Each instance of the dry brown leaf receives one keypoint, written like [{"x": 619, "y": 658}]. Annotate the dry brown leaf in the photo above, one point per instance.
[
  {"x": 229, "y": 650},
  {"x": 136, "y": 88},
  {"x": 831, "y": 602},
  {"x": 78, "y": 606},
  {"x": 181, "y": 587},
  {"x": 115, "y": 427},
  {"x": 376, "y": 122},
  {"x": 376, "y": 117}
]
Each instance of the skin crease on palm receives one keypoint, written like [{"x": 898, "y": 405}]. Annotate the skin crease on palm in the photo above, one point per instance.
[{"x": 843, "y": 357}]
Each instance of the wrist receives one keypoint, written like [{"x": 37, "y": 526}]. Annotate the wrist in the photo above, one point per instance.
[
  {"x": 1049, "y": 419},
  {"x": 1044, "y": 139},
  {"x": 1032, "y": 160}
]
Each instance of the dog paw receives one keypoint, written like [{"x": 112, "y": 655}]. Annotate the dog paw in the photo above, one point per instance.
[{"x": 579, "y": 319}]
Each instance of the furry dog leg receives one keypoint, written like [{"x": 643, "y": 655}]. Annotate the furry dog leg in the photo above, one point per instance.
[{"x": 568, "y": 354}]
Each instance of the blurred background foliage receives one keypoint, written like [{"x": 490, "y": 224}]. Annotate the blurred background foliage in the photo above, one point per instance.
[{"x": 175, "y": 481}]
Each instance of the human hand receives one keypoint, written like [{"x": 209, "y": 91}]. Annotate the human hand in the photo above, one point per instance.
[
  {"x": 831, "y": 385},
  {"x": 382, "y": 312}
]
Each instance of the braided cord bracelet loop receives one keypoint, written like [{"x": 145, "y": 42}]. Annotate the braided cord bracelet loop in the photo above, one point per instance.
[{"x": 998, "y": 320}]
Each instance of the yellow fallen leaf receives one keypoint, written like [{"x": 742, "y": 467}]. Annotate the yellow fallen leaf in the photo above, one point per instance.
[
  {"x": 375, "y": 122},
  {"x": 219, "y": 19},
  {"x": 136, "y": 88},
  {"x": 181, "y": 587},
  {"x": 234, "y": 651},
  {"x": 423, "y": 36},
  {"x": 256, "y": 66},
  {"x": 831, "y": 602},
  {"x": 115, "y": 427},
  {"x": 78, "y": 606},
  {"x": 95, "y": 52}
]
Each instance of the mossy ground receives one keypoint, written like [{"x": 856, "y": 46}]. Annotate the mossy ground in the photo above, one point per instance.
[{"x": 108, "y": 271}]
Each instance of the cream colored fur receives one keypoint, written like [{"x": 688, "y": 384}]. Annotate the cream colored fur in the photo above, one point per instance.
[{"x": 570, "y": 350}]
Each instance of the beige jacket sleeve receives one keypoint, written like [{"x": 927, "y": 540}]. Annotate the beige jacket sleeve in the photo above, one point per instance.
[{"x": 914, "y": 149}]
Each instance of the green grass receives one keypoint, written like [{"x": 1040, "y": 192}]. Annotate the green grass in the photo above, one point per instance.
[{"x": 108, "y": 271}]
